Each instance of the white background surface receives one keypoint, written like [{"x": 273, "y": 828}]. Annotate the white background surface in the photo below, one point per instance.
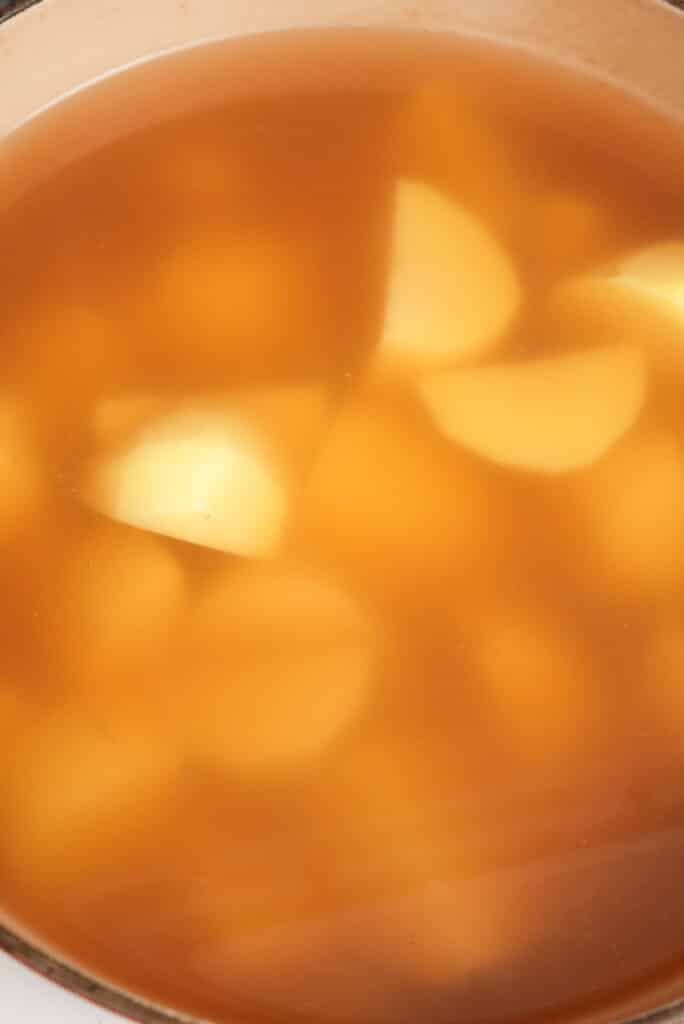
[{"x": 26, "y": 998}]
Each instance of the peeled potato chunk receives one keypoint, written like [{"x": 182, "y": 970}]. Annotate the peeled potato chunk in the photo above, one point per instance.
[
  {"x": 389, "y": 829},
  {"x": 217, "y": 474},
  {"x": 568, "y": 230},
  {"x": 631, "y": 507},
  {"x": 447, "y": 931},
  {"x": 238, "y": 301},
  {"x": 74, "y": 792},
  {"x": 118, "y": 417},
  {"x": 72, "y": 341},
  {"x": 388, "y": 500},
  {"x": 282, "y": 665},
  {"x": 21, "y": 478},
  {"x": 452, "y": 289},
  {"x": 534, "y": 678},
  {"x": 552, "y": 415},
  {"x": 641, "y": 297},
  {"x": 122, "y": 594}
]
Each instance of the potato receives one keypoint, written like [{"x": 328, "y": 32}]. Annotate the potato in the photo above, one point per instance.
[
  {"x": 534, "y": 678},
  {"x": 74, "y": 791},
  {"x": 219, "y": 474},
  {"x": 282, "y": 664},
  {"x": 387, "y": 501},
  {"x": 630, "y": 509},
  {"x": 447, "y": 931},
  {"x": 22, "y": 480},
  {"x": 121, "y": 598},
  {"x": 551, "y": 415},
  {"x": 639, "y": 298},
  {"x": 452, "y": 291},
  {"x": 72, "y": 340},
  {"x": 567, "y": 230},
  {"x": 446, "y": 137},
  {"x": 409, "y": 861},
  {"x": 236, "y": 302},
  {"x": 388, "y": 831},
  {"x": 116, "y": 418},
  {"x": 364, "y": 953}
]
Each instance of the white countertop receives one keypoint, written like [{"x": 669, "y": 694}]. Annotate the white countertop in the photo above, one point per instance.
[{"x": 26, "y": 997}]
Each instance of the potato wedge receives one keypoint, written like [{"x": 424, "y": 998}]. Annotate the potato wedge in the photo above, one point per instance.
[
  {"x": 639, "y": 298},
  {"x": 219, "y": 474},
  {"x": 551, "y": 415},
  {"x": 452, "y": 291}
]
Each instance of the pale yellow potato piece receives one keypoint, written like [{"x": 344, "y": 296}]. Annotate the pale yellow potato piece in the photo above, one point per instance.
[
  {"x": 640, "y": 298},
  {"x": 282, "y": 665},
  {"x": 74, "y": 791},
  {"x": 552, "y": 415},
  {"x": 219, "y": 474},
  {"x": 631, "y": 507},
  {"x": 121, "y": 599},
  {"x": 22, "y": 480},
  {"x": 453, "y": 290},
  {"x": 535, "y": 680}
]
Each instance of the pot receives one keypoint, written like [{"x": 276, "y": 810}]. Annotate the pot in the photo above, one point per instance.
[{"x": 49, "y": 48}]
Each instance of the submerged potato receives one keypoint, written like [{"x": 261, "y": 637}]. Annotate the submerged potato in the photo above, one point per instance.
[
  {"x": 631, "y": 511},
  {"x": 640, "y": 298},
  {"x": 122, "y": 595},
  {"x": 217, "y": 474},
  {"x": 551, "y": 415},
  {"x": 568, "y": 230},
  {"x": 68, "y": 342},
  {"x": 282, "y": 664},
  {"x": 75, "y": 790},
  {"x": 386, "y": 500},
  {"x": 534, "y": 678},
  {"x": 447, "y": 931},
  {"x": 443, "y": 135},
  {"x": 389, "y": 829},
  {"x": 22, "y": 483},
  {"x": 239, "y": 301},
  {"x": 452, "y": 288},
  {"x": 116, "y": 418}
]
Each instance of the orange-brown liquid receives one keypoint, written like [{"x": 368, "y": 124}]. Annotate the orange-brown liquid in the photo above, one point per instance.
[{"x": 394, "y": 730}]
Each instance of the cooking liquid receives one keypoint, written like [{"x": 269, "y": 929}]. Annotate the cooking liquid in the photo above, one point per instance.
[{"x": 339, "y": 682}]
